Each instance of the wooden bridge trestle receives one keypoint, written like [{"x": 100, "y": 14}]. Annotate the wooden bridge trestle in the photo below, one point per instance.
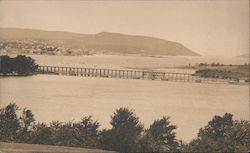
[{"x": 123, "y": 74}]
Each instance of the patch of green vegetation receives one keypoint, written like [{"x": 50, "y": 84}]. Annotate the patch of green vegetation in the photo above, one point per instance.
[
  {"x": 20, "y": 65},
  {"x": 233, "y": 72},
  {"x": 127, "y": 134}
]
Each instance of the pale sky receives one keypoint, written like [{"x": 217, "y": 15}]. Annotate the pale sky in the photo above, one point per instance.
[{"x": 208, "y": 27}]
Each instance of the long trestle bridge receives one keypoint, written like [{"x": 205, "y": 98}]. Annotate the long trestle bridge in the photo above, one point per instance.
[{"x": 125, "y": 74}]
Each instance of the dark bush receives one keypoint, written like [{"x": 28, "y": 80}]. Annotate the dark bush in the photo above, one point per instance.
[{"x": 19, "y": 65}]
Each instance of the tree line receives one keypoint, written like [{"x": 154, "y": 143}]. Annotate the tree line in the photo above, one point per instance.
[
  {"x": 127, "y": 134},
  {"x": 19, "y": 65}
]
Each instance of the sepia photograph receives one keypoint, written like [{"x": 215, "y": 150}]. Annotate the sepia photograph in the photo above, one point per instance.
[{"x": 124, "y": 76}]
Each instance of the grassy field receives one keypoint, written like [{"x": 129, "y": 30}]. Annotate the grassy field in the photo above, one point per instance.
[{"x": 34, "y": 148}]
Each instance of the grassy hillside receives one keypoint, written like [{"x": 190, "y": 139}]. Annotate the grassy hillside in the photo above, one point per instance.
[
  {"x": 71, "y": 43},
  {"x": 33, "y": 148}
]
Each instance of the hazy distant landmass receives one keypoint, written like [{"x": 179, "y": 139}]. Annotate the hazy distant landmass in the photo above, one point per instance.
[
  {"x": 67, "y": 43},
  {"x": 244, "y": 56}
]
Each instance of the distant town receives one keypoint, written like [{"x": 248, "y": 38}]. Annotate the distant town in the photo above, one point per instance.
[{"x": 39, "y": 47}]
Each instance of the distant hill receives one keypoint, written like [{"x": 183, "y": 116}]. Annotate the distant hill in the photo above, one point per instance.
[{"x": 104, "y": 42}]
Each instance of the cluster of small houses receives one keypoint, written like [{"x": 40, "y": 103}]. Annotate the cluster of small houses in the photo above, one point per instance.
[{"x": 39, "y": 47}]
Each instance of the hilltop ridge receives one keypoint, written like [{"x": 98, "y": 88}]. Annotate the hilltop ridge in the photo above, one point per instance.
[{"x": 67, "y": 43}]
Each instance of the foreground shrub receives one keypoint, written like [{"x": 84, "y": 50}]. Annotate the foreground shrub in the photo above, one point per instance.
[
  {"x": 125, "y": 132},
  {"x": 222, "y": 134},
  {"x": 14, "y": 127}
]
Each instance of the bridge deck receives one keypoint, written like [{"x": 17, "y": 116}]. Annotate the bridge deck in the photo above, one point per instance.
[{"x": 124, "y": 74}]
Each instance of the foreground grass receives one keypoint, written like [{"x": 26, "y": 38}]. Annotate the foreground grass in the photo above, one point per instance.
[{"x": 34, "y": 148}]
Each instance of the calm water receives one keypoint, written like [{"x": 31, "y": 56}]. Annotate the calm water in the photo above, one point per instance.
[
  {"x": 134, "y": 62},
  {"x": 66, "y": 98}
]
